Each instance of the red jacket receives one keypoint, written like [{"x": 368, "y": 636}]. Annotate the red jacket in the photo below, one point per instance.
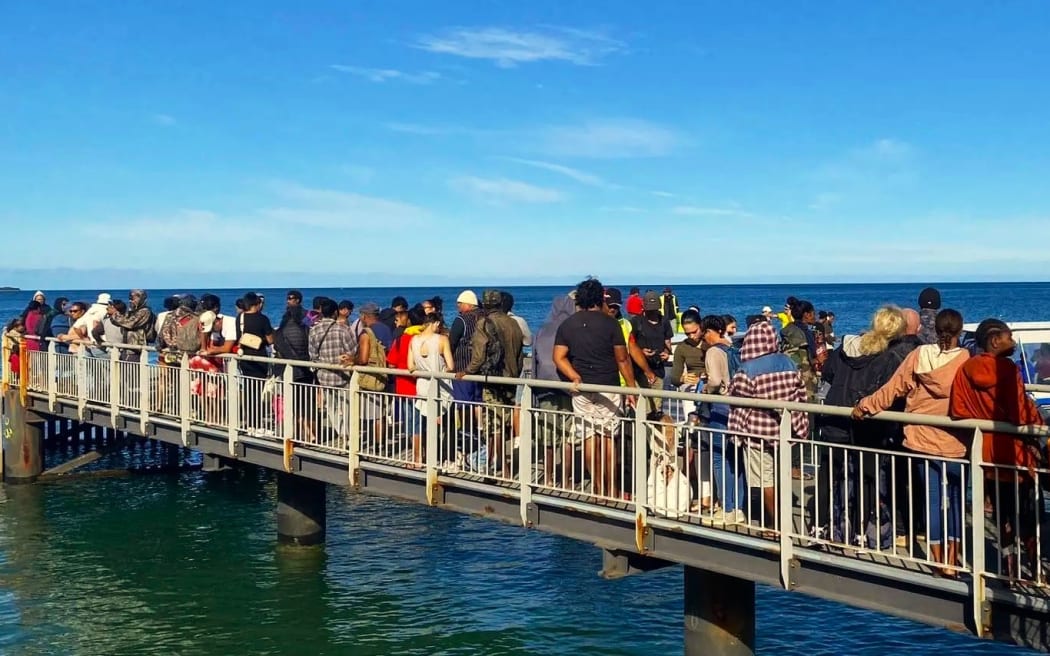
[{"x": 989, "y": 387}]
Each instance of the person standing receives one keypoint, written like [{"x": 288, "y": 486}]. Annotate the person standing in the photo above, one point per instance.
[{"x": 589, "y": 348}]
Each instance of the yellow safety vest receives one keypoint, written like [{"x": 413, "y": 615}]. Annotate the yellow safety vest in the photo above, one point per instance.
[{"x": 625, "y": 326}]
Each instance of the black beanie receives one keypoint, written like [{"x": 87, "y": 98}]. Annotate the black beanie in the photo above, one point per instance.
[{"x": 930, "y": 299}]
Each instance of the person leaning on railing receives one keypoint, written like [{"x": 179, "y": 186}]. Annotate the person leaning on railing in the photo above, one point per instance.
[
  {"x": 989, "y": 386},
  {"x": 925, "y": 380}
]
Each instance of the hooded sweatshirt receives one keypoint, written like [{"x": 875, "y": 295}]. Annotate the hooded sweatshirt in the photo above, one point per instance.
[
  {"x": 543, "y": 367},
  {"x": 137, "y": 321},
  {"x": 765, "y": 373},
  {"x": 925, "y": 378},
  {"x": 990, "y": 387},
  {"x": 852, "y": 376}
]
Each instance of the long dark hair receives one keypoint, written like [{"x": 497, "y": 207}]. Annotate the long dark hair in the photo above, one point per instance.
[
  {"x": 435, "y": 317},
  {"x": 948, "y": 325}
]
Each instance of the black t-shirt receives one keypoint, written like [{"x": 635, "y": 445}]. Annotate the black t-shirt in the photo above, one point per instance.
[
  {"x": 652, "y": 336},
  {"x": 591, "y": 337},
  {"x": 254, "y": 323}
]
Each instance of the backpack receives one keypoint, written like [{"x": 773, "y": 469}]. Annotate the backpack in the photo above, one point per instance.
[
  {"x": 183, "y": 333},
  {"x": 376, "y": 358},
  {"x": 732, "y": 357},
  {"x": 495, "y": 356}
]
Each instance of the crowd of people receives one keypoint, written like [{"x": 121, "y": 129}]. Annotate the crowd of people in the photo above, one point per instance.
[{"x": 907, "y": 359}]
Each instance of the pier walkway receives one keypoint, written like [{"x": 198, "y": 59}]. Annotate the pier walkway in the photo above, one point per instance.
[{"x": 639, "y": 495}]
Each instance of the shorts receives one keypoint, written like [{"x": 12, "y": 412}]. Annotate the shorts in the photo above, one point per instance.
[
  {"x": 760, "y": 467},
  {"x": 466, "y": 391},
  {"x": 597, "y": 414},
  {"x": 552, "y": 419},
  {"x": 373, "y": 406}
]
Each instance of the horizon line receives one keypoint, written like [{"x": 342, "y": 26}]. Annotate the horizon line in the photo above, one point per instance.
[{"x": 651, "y": 286}]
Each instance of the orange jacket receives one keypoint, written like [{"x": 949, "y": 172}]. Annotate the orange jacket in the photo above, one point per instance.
[{"x": 989, "y": 387}]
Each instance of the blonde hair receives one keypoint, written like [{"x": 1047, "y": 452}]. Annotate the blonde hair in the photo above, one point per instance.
[{"x": 887, "y": 324}]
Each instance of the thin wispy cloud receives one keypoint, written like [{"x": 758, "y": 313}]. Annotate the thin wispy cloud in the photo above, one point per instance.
[
  {"x": 693, "y": 210},
  {"x": 329, "y": 208},
  {"x": 164, "y": 120},
  {"x": 583, "y": 177},
  {"x": 438, "y": 130},
  {"x": 381, "y": 75},
  {"x": 509, "y": 47},
  {"x": 608, "y": 139},
  {"x": 503, "y": 191},
  {"x": 663, "y": 194},
  {"x": 293, "y": 209},
  {"x": 884, "y": 162}
]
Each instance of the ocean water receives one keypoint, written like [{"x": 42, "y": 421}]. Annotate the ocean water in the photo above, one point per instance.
[
  {"x": 853, "y": 305},
  {"x": 188, "y": 563}
]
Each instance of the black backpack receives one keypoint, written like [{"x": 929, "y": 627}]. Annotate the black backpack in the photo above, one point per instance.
[{"x": 495, "y": 356}]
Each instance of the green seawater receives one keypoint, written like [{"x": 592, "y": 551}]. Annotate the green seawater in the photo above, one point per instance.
[{"x": 188, "y": 564}]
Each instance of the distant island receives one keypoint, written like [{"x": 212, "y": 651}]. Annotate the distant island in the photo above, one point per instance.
[{"x": 10, "y": 289}]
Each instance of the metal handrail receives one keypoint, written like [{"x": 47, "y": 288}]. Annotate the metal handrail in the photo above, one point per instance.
[{"x": 968, "y": 425}]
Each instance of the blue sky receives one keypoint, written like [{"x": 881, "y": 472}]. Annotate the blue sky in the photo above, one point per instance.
[{"x": 349, "y": 143}]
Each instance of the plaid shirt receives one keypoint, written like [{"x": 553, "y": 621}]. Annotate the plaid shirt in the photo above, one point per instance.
[
  {"x": 766, "y": 374},
  {"x": 328, "y": 341}
]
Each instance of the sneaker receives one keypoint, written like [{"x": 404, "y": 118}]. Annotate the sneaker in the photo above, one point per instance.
[{"x": 721, "y": 517}]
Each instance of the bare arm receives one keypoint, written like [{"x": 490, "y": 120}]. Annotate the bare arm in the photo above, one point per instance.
[
  {"x": 364, "y": 347},
  {"x": 561, "y": 361},
  {"x": 624, "y": 364},
  {"x": 446, "y": 352}
]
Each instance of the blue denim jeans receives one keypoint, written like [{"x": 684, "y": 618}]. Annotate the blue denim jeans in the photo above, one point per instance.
[
  {"x": 943, "y": 483},
  {"x": 727, "y": 461}
]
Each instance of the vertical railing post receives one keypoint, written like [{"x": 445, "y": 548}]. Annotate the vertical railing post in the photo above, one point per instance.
[
  {"x": 640, "y": 468},
  {"x": 23, "y": 371},
  {"x": 784, "y": 498},
  {"x": 81, "y": 379},
  {"x": 114, "y": 386},
  {"x": 432, "y": 454},
  {"x": 977, "y": 519},
  {"x": 233, "y": 404},
  {"x": 5, "y": 366},
  {"x": 52, "y": 375},
  {"x": 525, "y": 452},
  {"x": 145, "y": 391},
  {"x": 288, "y": 403},
  {"x": 184, "y": 398},
  {"x": 353, "y": 433}
]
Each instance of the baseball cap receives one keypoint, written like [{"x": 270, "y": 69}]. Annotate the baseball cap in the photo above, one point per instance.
[
  {"x": 930, "y": 299},
  {"x": 613, "y": 296},
  {"x": 490, "y": 298},
  {"x": 369, "y": 308},
  {"x": 467, "y": 297},
  {"x": 766, "y": 309},
  {"x": 651, "y": 301},
  {"x": 207, "y": 321}
]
